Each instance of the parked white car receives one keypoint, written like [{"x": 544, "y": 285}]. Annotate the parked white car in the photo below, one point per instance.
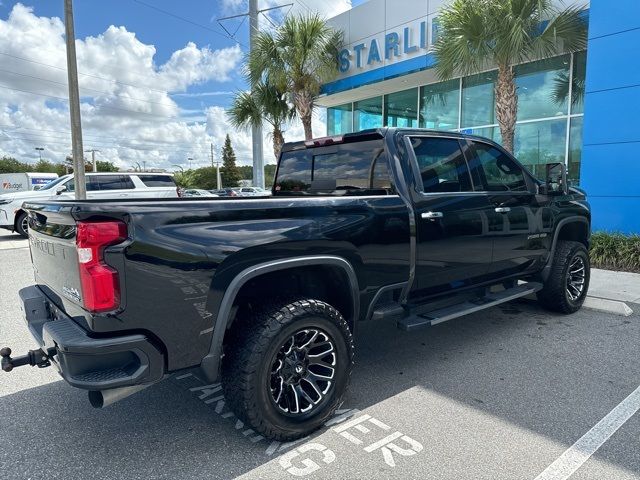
[
  {"x": 198, "y": 192},
  {"x": 116, "y": 185},
  {"x": 253, "y": 192}
]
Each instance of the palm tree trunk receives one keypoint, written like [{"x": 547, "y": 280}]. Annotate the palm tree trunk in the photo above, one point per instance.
[
  {"x": 303, "y": 102},
  {"x": 506, "y": 105},
  {"x": 278, "y": 141}
]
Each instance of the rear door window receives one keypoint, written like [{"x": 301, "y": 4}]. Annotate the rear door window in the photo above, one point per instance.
[
  {"x": 108, "y": 182},
  {"x": 442, "y": 165},
  {"x": 158, "y": 180}
]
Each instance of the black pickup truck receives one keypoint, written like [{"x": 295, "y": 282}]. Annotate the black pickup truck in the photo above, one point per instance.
[{"x": 265, "y": 294}]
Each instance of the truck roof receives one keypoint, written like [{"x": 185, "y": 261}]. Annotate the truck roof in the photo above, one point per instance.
[{"x": 372, "y": 134}]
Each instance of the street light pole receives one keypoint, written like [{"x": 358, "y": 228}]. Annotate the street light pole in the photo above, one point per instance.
[
  {"x": 189, "y": 160},
  {"x": 74, "y": 103},
  {"x": 40, "y": 150},
  {"x": 93, "y": 158}
]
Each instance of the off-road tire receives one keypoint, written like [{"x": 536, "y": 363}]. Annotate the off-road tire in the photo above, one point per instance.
[
  {"x": 554, "y": 295},
  {"x": 246, "y": 366},
  {"x": 20, "y": 230}
]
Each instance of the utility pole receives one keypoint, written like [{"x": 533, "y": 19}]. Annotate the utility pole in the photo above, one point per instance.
[
  {"x": 217, "y": 165},
  {"x": 144, "y": 165},
  {"x": 74, "y": 103},
  {"x": 256, "y": 132},
  {"x": 93, "y": 158}
]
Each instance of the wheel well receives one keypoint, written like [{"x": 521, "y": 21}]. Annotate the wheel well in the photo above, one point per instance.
[
  {"x": 327, "y": 283},
  {"x": 15, "y": 217},
  {"x": 575, "y": 231}
]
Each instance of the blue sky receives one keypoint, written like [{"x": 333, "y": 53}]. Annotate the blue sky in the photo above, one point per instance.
[{"x": 29, "y": 30}]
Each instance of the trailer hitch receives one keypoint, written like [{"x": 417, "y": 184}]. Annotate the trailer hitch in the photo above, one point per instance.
[{"x": 36, "y": 358}]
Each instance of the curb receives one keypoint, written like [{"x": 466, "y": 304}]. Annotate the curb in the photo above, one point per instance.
[{"x": 615, "y": 307}]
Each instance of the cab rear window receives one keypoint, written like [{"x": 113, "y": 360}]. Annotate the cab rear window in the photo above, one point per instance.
[{"x": 358, "y": 168}]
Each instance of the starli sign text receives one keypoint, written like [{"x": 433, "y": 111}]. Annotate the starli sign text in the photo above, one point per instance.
[{"x": 388, "y": 47}]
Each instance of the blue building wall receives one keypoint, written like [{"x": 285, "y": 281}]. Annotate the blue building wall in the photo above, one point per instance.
[{"x": 610, "y": 171}]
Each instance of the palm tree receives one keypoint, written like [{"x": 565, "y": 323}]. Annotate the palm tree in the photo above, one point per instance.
[
  {"x": 298, "y": 57},
  {"x": 479, "y": 34},
  {"x": 264, "y": 103}
]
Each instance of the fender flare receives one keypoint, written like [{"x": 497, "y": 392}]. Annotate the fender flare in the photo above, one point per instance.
[
  {"x": 211, "y": 362},
  {"x": 546, "y": 271}
]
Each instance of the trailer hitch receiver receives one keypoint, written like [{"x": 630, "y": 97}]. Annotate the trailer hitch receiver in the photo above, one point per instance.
[{"x": 36, "y": 358}]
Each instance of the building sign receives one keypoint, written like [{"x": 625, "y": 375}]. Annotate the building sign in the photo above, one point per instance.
[{"x": 388, "y": 47}]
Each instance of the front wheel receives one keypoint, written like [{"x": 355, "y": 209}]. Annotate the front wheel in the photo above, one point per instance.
[
  {"x": 22, "y": 225},
  {"x": 286, "y": 371},
  {"x": 566, "y": 288}
]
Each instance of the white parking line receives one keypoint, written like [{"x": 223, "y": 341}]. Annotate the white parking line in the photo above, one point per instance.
[{"x": 590, "y": 442}]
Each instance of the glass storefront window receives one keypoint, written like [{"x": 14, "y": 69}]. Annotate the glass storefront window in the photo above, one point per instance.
[
  {"x": 401, "y": 109},
  {"x": 339, "y": 119},
  {"x": 478, "y": 105},
  {"x": 542, "y": 88},
  {"x": 439, "y": 105},
  {"x": 367, "y": 114},
  {"x": 492, "y": 133},
  {"x": 575, "y": 150},
  {"x": 538, "y": 143},
  {"x": 579, "y": 74}
]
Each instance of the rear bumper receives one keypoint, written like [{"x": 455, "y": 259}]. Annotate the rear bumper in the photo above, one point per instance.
[{"x": 84, "y": 361}]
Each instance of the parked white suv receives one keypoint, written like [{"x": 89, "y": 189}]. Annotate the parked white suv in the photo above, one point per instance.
[{"x": 99, "y": 186}]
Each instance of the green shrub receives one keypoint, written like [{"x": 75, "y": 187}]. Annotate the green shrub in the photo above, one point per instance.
[{"x": 615, "y": 251}]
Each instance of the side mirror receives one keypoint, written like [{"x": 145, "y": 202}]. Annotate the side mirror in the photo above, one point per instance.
[
  {"x": 555, "y": 180},
  {"x": 61, "y": 189}
]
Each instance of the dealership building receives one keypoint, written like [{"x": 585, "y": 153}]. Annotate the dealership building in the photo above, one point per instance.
[{"x": 574, "y": 108}]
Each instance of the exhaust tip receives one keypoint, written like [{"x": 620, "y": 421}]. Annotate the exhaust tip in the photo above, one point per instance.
[{"x": 96, "y": 399}]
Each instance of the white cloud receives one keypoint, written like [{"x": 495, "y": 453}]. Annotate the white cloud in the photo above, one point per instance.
[{"x": 128, "y": 106}]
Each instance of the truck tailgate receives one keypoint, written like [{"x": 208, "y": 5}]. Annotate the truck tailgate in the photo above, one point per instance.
[{"x": 54, "y": 256}]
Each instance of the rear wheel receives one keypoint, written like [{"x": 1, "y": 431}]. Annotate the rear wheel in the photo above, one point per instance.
[
  {"x": 286, "y": 370},
  {"x": 566, "y": 288},
  {"x": 22, "y": 225}
]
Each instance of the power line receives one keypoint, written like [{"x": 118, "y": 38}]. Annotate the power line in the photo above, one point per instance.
[
  {"x": 41, "y": 138},
  {"x": 83, "y": 74},
  {"x": 97, "y": 106},
  {"x": 187, "y": 21},
  {"x": 87, "y": 88}
]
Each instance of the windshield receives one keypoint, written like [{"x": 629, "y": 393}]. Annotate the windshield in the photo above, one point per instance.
[{"x": 52, "y": 184}]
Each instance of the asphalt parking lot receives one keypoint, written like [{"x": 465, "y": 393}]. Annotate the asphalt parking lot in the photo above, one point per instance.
[{"x": 497, "y": 395}]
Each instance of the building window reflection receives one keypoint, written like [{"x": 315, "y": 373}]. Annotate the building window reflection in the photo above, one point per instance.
[
  {"x": 439, "y": 105},
  {"x": 401, "y": 109},
  {"x": 340, "y": 119},
  {"x": 367, "y": 113}
]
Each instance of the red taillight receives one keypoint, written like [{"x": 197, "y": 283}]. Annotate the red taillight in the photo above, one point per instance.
[{"x": 100, "y": 286}]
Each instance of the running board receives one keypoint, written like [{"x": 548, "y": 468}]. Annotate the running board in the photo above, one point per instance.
[{"x": 414, "y": 322}]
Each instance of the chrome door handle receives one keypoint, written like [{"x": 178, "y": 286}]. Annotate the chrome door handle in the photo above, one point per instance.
[
  {"x": 503, "y": 209},
  {"x": 431, "y": 215}
]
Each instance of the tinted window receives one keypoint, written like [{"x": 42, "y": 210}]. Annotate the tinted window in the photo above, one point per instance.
[
  {"x": 294, "y": 172},
  {"x": 108, "y": 182},
  {"x": 157, "y": 180},
  {"x": 442, "y": 165},
  {"x": 359, "y": 167},
  {"x": 497, "y": 171}
]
